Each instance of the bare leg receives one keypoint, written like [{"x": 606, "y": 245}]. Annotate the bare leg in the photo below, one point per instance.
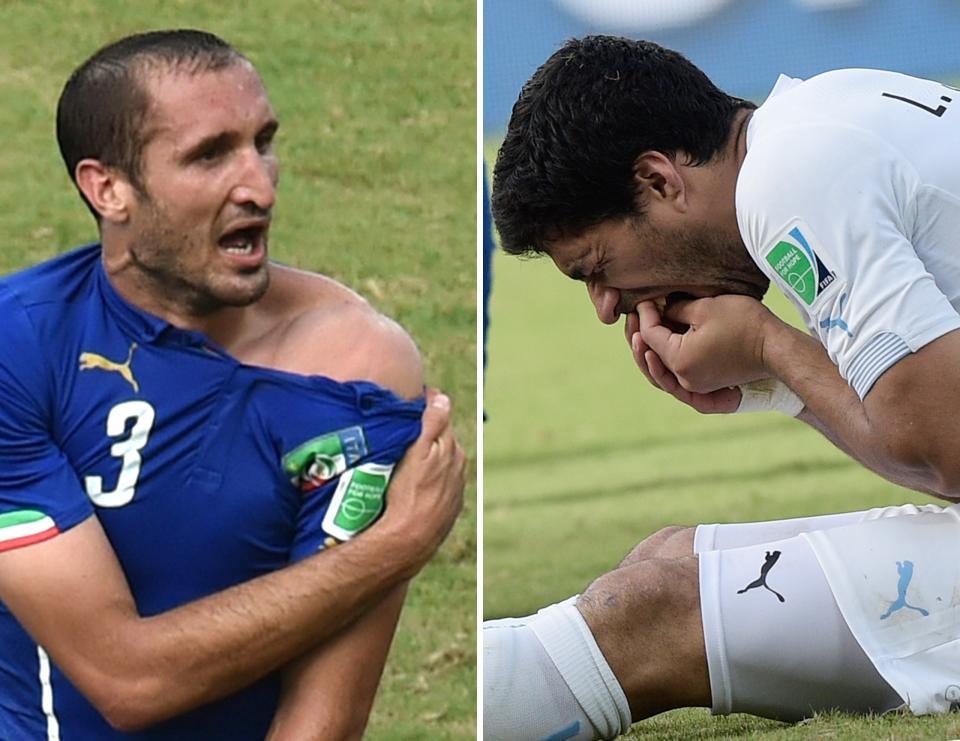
[
  {"x": 645, "y": 617},
  {"x": 633, "y": 644},
  {"x": 670, "y": 542},
  {"x": 640, "y": 639}
]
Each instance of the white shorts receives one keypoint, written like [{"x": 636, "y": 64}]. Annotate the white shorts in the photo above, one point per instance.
[{"x": 795, "y": 612}]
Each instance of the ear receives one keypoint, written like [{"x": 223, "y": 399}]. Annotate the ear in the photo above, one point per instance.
[
  {"x": 657, "y": 178},
  {"x": 107, "y": 190}
]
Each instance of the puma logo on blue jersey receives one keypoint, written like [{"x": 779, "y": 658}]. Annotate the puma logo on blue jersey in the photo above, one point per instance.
[{"x": 94, "y": 361}]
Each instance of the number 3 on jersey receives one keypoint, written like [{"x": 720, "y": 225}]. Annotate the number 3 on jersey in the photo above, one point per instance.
[{"x": 128, "y": 450}]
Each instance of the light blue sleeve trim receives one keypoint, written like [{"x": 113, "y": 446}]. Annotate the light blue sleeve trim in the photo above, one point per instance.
[{"x": 874, "y": 358}]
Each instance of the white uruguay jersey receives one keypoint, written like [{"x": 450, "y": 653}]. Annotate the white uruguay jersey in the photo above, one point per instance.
[{"x": 849, "y": 200}]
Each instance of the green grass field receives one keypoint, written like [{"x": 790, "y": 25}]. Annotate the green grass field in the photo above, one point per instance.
[
  {"x": 583, "y": 459},
  {"x": 378, "y": 189}
]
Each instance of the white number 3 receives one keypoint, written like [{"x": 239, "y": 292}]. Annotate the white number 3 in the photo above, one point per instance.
[{"x": 127, "y": 449}]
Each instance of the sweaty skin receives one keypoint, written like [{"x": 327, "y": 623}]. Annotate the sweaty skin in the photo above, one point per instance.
[
  {"x": 190, "y": 245},
  {"x": 687, "y": 240},
  {"x": 733, "y": 339},
  {"x": 699, "y": 351}
]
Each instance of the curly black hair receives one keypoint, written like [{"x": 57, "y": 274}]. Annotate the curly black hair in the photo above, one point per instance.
[{"x": 580, "y": 123}]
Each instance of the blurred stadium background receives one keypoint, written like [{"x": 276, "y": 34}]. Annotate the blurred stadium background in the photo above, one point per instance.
[
  {"x": 582, "y": 459},
  {"x": 378, "y": 189}
]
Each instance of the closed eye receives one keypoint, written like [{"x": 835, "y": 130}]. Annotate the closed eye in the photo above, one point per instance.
[{"x": 598, "y": 270}]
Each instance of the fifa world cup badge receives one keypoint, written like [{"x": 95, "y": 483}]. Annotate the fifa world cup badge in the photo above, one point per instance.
[{"x": 358, "y": 500}]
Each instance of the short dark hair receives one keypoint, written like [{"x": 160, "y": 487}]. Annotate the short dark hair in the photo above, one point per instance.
[
  {"x": 581, "y": 121},
  {"x": 102, "y": 108}
]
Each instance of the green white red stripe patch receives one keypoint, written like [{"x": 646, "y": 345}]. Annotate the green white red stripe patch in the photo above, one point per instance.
[{"x": 23, "y": 527}]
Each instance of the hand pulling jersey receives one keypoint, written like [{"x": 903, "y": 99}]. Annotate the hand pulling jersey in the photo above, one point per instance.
[
  {"x": 849, "y": 200},
  {"x": 204, "y": 472}
]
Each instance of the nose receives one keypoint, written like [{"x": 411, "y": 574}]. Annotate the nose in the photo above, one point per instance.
[
  {"x": 257, "y": 181},
  {"x": 605, "y": 301}
]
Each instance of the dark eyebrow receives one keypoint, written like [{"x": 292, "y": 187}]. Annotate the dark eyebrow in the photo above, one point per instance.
[
  {"x": 269, "y": 129},
  {"x": 215, "y": 141},
  {"x": 226, "y": 139}
]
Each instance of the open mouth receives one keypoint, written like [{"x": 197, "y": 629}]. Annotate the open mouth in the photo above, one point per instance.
[{"x": 242, "y": 242}]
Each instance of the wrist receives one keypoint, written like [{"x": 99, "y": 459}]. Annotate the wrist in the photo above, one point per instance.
[
  {"x": 769, "y": 395},
  {"x": 404, "y": 550},
  {"x": 774, "y": 335}
]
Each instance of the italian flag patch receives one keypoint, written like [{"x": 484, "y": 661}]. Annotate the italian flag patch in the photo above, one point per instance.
[{"x": 23, "y": 527}]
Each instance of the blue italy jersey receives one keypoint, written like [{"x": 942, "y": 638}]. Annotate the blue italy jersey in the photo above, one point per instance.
[{"x": 204, "y": 472}]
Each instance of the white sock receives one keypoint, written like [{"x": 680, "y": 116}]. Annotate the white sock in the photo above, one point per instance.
[{"x": 544, "y": 679}]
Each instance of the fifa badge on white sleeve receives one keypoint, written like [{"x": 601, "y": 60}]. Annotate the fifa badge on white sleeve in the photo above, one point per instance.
[
  {"x": 795, "y": 258},
  {"x": 358, "y": 500}
]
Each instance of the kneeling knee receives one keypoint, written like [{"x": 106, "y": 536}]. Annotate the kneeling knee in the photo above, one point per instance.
[
  {"x": 673, "y": 541},
  {"x": 644, "y": 592},
  {"x": 645, "y": 619}
]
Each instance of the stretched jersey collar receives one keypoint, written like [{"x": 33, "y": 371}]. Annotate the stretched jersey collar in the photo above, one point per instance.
[
  {"x": 146, "y": 327},
  {"x": 135, "y": 321}
]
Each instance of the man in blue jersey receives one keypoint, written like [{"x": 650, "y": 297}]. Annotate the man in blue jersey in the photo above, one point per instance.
[{"x": 184, "y": 425}]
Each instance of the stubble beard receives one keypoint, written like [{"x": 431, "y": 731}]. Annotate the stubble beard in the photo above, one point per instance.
[
  {"x": 713, "y": 259},
  {"x": 160, "y": 257}
]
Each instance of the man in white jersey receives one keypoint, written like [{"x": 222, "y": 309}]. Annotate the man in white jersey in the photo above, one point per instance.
[{"x": 677, "y": 205}]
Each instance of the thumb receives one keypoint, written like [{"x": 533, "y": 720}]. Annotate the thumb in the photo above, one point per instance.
[{"x": 436, "y": 418}]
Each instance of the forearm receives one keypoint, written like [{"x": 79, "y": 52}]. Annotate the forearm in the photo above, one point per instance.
[
  {"x": 274, "y": 619},
  {"x": 832, "y": 407},
  {"x": 71, "y": 595},
  {"x": 829, "y": 404},
  {"x": 904, "y": 429},
  {"x": 329, "y": 692},
  {"x": 138, "y": 671}
]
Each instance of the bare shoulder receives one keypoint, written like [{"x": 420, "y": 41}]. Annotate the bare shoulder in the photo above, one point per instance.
[{"x": 332, "y": 331}]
